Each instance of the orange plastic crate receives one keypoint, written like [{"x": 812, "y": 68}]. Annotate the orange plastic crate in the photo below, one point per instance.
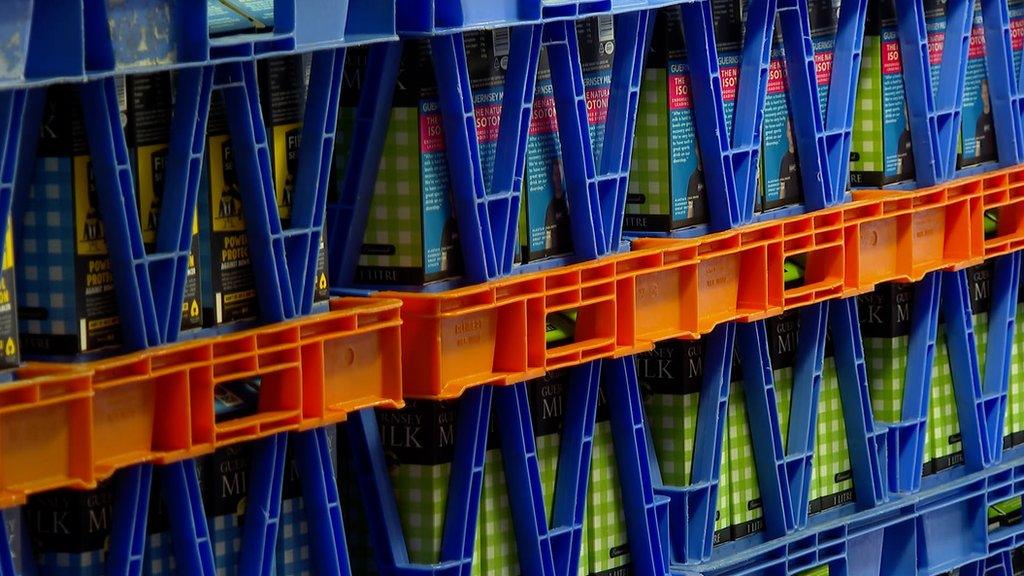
[{"x": 158, "y": 405}]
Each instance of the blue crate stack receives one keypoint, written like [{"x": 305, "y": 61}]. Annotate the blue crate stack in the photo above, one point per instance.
[{"x": 898, "y": 522}]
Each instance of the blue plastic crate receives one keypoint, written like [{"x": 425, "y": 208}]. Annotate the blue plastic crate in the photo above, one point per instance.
[
  {"x": 942, "y": 528},
  {"x": 487, "y": 217},
  {"x": 150, "y": 288}
]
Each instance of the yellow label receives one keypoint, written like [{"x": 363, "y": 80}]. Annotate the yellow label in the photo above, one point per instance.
[
  {"x": 89, "y": 233},
  {"x": 286, "y": 158},
  {"x": 152, "y": 172},
  {"x": 152, "y": 166},
  {"x": 9, "y": 247},
  {"x": 10, "y": 347},
  {"x": 225, "y": 196}
]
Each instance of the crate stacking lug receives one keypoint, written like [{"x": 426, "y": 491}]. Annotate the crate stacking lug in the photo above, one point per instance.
[{"x": 149, "y": 285}]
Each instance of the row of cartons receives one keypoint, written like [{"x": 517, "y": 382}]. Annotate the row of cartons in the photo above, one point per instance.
[{"x": 67, "y": 299}]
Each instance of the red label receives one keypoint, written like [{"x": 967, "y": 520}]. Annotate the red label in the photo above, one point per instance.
[
  {"x": 679, "y": 92},
  {"x": 730, "y": 78},
  {"x": 935, "y": 41},
  {"x": 891, "y": 63},
  {"x": 488, "y": 117},
  {"x": 1017, "y": 33},
  {"x": 597, "y": 105},
  {"x": 543, "y": 120},
  {"x": 823, "y": 67},
  {"x": 431, "y": 133},
  {"x": 977, "y": 45},
  {"x": 776, "y": 77}
]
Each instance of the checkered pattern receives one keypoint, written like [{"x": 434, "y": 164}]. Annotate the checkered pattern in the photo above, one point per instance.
[
  {"x": 548, "y": 447},
  {"x": 649, "y": 173},
  {"x": 46, "y": 259},
  {"x": 293, "y": 547},
  {"x": 226, "y": 533},
  {"x": 981, "y": 341},
  {"x": 395, "y": 218},
  {"x": 495, "y": 550},
  {"x": 886, "y": 360},
  {"x": 673, "y": 423},
  {"x": 832, "y": 455},
  {"x": 724, "y": 506},
  {"x": 942, "y": 413},
  {"x": 868, "y": 126},
  {"x": 159, "y": 555},
  {"x": 1015, "y": 402},
  {"x": 421, "y": 493},
  {"x": 742, "y": 472},
  {"x": 605, "y": 516},
  {"x": 783, "y": 378},
  {"x": 72, "y": 564}
]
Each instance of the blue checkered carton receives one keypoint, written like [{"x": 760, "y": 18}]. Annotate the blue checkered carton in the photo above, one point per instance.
[
  {"x": 66, "y": 294},
  {"x": 18, "y": 541},
  {"x": 294, "y": 554},
  {"x": 70, "y": 530}
]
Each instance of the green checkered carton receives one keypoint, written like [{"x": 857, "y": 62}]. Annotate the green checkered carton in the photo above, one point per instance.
[
  {"x": 1014, "y": 425},
  {"x": 882, "y": 147},
  {"x": 544, "y": 216},
  {"x": 605, "y": 519},
  {"x": 885, "y": 329},
  {"x": 412, "y": 236},
  {"x": 419, "y": 442},
  {"x": 780, "y": 165},
  {"x": 666, "y": 186},
  {"x": 832, "y": 482},
  {"x": 745, "y": 506},
  {"x": 943, "y": 422},
  {"x": 498, "y": 554},
  {"x": 671, "y": 377},
  {"x": 70, "y": 530}
]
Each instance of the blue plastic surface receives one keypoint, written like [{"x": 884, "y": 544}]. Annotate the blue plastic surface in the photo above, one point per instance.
[
  {"x": 939, "y": 529},
  {"x": 487, "y": 218},
  {"x": 543, "y": 548},
  {"x": 149, "y": 285},
  {"x": 87, "y": 39}
]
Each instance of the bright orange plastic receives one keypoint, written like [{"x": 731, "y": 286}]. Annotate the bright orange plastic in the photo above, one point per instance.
[
  {"x": 71, "y": 425},
  {"x": 683, "y": 288}
]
